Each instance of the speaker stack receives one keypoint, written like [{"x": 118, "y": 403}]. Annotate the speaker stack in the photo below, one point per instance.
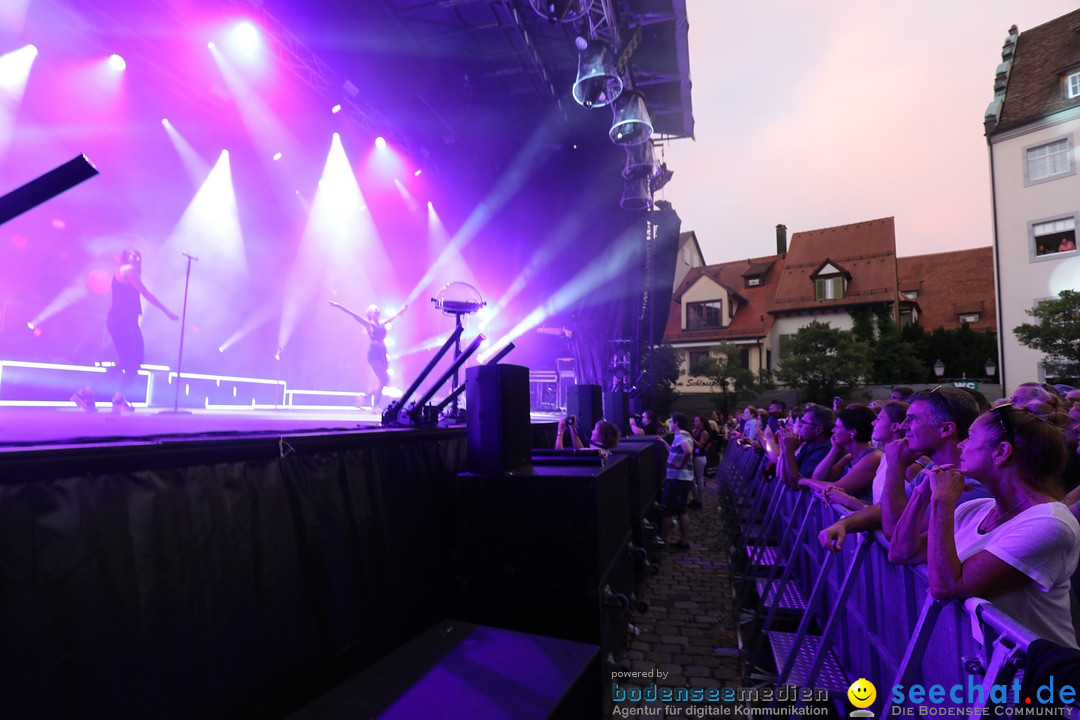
[{"x": 585, "y": 402}]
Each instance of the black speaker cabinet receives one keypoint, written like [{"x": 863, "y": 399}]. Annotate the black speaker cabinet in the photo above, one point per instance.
[
  {"x": 595, "y": 613},
  {"x": 459, "y": 670},
  {"x": 586, "y": 403},
  {"x": 617, "y": 410},
  {"x": 550, "y": 523},
  {"x": 497, "y": 418}
]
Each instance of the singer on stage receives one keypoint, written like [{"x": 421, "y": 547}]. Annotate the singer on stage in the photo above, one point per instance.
[
  {"x": 376, "y": 356},
  {"x": 123, "y": 326}
]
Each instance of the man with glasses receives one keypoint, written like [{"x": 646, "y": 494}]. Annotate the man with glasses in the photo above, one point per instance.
[
  {"x": 936, "y": 422},
  {"x": 813, "y": 430}
]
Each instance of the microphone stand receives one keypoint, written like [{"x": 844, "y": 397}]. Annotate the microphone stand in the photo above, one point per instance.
[{"x": 180, "y": 356}]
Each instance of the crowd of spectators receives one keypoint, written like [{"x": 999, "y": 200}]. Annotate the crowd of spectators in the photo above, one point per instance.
[{"x": 987, "y": 497}]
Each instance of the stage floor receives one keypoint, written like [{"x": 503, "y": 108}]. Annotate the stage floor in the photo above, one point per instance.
[{"x": 23, "y": 428}]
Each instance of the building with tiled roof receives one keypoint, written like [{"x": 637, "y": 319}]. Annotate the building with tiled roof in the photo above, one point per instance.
[
  {"x": 832, "y": 271},
  {"x": 1031, "y": 129},
  {"x": 725, "y": 303},
  {"x": 948, "y": 289},
  {"x": 757, "y": 304}
]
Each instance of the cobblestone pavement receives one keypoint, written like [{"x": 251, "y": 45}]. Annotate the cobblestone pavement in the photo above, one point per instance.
[{"x": 687, "y": 639}]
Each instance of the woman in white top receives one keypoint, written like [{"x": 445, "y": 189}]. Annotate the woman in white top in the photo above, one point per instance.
[{"x": 1017, "y": 548}]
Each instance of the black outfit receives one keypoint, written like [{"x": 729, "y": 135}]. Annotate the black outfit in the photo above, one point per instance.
[
  {"x": 123, "y": 326},
  {"x": 376, "y": 356}
]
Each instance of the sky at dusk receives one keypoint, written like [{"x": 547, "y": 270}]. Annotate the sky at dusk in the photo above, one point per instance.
[{"x": 835, "y": 112}]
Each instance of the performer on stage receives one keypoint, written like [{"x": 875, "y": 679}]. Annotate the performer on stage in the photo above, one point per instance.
[
  {"x": 123, "y": 326},
  {"x": 376, "y": 330}
]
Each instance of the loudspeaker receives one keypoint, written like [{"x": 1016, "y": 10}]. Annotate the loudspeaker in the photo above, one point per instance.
[
  {"x": 497, "y": 418},
  {"x": 586, "y": 403},
  {"x": 617, "y": 410},
  {"x": 550, "y": 523},
  {"x": 460, "y": 670}
]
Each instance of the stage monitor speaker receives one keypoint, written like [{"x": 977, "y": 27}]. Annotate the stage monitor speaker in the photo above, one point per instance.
[
  {"x": 460, "y": 670},
  {"x": 617, "y": 410},
  {"x": 585, "y": 402},
  {"x": 497, "y": 418}
]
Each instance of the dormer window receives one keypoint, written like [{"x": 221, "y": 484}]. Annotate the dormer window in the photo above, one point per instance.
[
  {"x": 829, "y": 282},
  {"x": 1072, "y": 85},
  {"x": 754, "y": 281},
  {"x": 969, "y": 318}
]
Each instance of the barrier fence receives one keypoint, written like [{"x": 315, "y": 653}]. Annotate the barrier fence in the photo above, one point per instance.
[{"x": 823, "y": 620}]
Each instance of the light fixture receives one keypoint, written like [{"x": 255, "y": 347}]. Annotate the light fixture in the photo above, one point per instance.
[
  {"x": 990, "y": 367},
  {"x": 939, "y": 368},
  {"x": 640, "y": 162},
  {"x": 561, "y": 11},
  {"x": 598, "y": 82},
  {"x": 636, "y": 195},
  {"x": 631, "y": 125}
]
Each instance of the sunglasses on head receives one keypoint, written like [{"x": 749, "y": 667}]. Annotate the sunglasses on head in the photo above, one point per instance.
[{"x": 1001, "y": 412}]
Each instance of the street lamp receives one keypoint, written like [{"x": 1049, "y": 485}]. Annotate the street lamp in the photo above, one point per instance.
[
  {"x": 990, "y": 367},
  {"x": 939, "y": 368}
]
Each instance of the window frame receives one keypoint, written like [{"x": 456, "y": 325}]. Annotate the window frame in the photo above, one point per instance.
[
  {"x": 1033, "y": 256},
  {"x": 691, "y": 361},
  {"x": 1026, "y": 160},
  {"x": 828, "y": 281},
  {"x": 719, "y": 308},
  {"x": 1072, "y": 85}
]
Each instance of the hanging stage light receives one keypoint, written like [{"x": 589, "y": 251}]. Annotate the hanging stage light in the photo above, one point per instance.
[
  {"x": 631, "y": 125},
  {"x": 561, "y": 11},
  {"x": 640, "y": 162},
  {"x": 598, "y": 82},
  {"x": 636, "y": 195}
]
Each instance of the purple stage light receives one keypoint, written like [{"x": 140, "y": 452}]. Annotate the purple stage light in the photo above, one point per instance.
[
  {"x": 99, "y": 281},
  {"x": 117, "y": 63},
  {"x": 336, "y": 109},
  {"x": 277, "y": 156},
  {"x": 380, "y": 142},
  {"x": 245, "y": 37}
]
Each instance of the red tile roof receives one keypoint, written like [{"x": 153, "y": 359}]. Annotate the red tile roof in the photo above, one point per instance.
[
  {"x": 1042, "y": 55},
  {"x": 951, "y": 283},
  {"x": 866, "y": 250},
  {"x": 751, "y": 320}
]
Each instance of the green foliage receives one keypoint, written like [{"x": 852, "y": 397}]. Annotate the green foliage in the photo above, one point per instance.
[
  {"x": 825, "y": 362},
  {"x": 963, "y": 351},
  {"x": 1057, "y": 334},
  {"x": 730, "y": 381},
  {"x": 895, "y": 361}
]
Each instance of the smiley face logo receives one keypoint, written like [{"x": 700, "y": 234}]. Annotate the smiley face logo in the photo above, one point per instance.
[{"x": 862, "y": 693}]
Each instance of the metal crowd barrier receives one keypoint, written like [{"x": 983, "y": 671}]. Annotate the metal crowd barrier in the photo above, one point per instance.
[{"x": 832, "y": 618}]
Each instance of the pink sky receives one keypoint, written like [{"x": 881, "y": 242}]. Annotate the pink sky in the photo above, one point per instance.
[{"x": 834, "y": 112}]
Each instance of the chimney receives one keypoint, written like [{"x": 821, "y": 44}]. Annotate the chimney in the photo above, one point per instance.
[{"x": 781, "y": 239}]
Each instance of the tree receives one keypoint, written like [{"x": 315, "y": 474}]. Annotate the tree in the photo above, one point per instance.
[
  {"x": 825, "y": 362},
  {"x": 1057, "y": 334},
  {"x": 729, "y": 380},
  {"x": 895, "y": 362}
]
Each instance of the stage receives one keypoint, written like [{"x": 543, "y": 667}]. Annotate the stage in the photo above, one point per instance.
[{"x": 219, "y": 563}]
